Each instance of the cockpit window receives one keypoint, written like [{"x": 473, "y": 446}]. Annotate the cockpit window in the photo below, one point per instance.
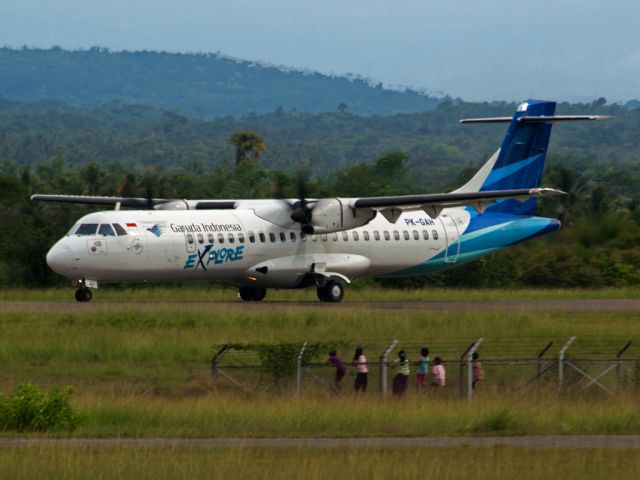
[
  {"x": 106, "y": 230},
  {"x": 87, "y": 229},
  {"x": 119, "y": 230}
]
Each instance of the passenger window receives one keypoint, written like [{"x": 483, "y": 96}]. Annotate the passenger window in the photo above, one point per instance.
[
  {"x": 376, "y": 234},
  {"x": 283, "y": 237},
  {"x": 262, "y": 237},
  {"x": 405, "y": 234},
  {"x": 435, "y": 234},
  {"x": 106, "y": 230},
  {"x": 324, "y": 237},
  {"x": 355, "y": 236},
  {"x": 365, "y": 235},
  {"x": 396, "y": 235},
  {"x": 272, "y": 237},
  {"x": 220, "y": 238},
  {"x": 386, "y": 235},
  {"x": 87, "y": 229},
  {"x": 119, "y": 230},
  {"x": 252, "y": 237},
  {"x": 210, "y": 237},
  {"x": 425, "y": 234},
  {"x": 292, "y": 235},
  {"x": 231, "y": 238},
  {"x": 416, "y": 235},
  {"x": 241, "y": 237},
  {"x": 200, "y": 238},
  {"x": 345, "y": 236},
  {"x": 190, "y": 238},
  {"x": 335, "y": 237}
]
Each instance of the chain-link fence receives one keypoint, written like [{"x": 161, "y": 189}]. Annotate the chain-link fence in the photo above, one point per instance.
[{"x": 511, "y": 366}]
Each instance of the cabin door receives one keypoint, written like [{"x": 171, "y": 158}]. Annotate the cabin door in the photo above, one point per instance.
[{"x": 452, "y": 238}]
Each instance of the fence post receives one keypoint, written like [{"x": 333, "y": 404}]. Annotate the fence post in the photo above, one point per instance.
[
  {"x": 624, "y": 349},
  {"x": 461, "y": 373},
  {"x": 299, "y": 370},
  {"x": 561, "y": 363},
  {"x": 383, "y": 368},
  {"x": 470, "y": 353},
  {"x": 214, "y": 361},
  {"x": 539, "y": 367}
]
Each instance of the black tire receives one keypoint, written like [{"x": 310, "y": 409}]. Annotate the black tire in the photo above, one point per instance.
[
  {"x": 252, "y": 294},
  {"x": 322, "y": 294},
  {"x": 83, "y": 295},
  {"x": 246, "y": 294},
  {"x": 259, "y": 294},
  {"x": 332, "y": 292}
]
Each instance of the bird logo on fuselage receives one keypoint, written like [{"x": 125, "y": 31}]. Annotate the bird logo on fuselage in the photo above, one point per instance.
[{"x": 156, "y": 230}]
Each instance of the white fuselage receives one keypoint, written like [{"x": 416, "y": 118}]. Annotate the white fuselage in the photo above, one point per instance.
[{"x": 239, "y": 247}]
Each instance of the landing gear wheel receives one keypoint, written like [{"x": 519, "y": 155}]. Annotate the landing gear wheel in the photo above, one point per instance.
[
  {"x": 83, "y": 295},
  {"x": 331, "y": 292},
  {"x": 252, "y": 294}
]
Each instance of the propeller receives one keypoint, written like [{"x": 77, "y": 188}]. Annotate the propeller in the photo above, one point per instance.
[{"x": 301, "y": 212}]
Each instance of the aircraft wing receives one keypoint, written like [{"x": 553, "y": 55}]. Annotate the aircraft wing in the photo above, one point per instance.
[
  {"x": 93, "y": 200},
  {"x": 433, "y": 204}
]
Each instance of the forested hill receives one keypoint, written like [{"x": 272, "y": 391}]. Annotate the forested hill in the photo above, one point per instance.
[
  {"x": 208, "y": 85},
  {"x": 438, "y": 148}
]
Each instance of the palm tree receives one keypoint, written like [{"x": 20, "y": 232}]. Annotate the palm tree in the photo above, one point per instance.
[{"x": 248, "y": 144}]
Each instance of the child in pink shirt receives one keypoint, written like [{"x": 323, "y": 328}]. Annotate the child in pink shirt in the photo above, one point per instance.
[
  {"x": 362, "y": 370},
  {"x": 438, "y": 375}
]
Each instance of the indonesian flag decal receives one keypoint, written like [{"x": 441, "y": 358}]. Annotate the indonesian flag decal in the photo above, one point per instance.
[{"x": 131, "y": 225}]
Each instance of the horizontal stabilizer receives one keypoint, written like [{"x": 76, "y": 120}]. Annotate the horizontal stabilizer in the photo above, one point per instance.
[{"x": 537, "y": 119}]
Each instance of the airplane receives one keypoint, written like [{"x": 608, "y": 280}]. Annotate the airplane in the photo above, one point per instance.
[{"x": 322, "y": 242}]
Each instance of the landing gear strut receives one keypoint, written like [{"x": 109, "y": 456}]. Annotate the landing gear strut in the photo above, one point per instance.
[
  {"x": 331, "y": 291},
  {"x": 83, "y": 295},
  {"x": 252, "y": 294}
]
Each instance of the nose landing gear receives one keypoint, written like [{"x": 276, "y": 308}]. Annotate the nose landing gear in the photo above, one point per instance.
[{"x": 83, "y": 295}]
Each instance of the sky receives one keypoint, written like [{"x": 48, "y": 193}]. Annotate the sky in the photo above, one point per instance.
[{"x": 574, "y": 50}]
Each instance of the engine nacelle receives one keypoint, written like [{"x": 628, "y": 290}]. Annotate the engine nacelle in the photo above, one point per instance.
[{"x": 334, "y": 215}]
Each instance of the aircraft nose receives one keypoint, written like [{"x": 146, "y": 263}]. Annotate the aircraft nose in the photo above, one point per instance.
[{"x": 60, "y": 258}]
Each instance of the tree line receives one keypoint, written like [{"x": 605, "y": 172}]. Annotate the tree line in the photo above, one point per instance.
[{"x": 597, "y": 247}]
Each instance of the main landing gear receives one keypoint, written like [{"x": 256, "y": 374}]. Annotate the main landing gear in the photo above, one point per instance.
[
  {"x": 252, "y": 294},
  {"x": 331, "y": 291},
  {"x": 83, "y": 295}
]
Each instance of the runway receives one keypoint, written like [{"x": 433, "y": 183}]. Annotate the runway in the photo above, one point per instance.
[
  {"x": 597, "y": 305},
  {"x": 548, "y": 441}
]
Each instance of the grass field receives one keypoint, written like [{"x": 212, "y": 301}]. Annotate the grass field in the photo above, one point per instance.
[
  {"x": 200, "y": 292},
  {"x": 65, "y": 462},
  {"x": 142, "y": 369}
]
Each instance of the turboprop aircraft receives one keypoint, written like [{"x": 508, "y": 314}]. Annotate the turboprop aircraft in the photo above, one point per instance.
[{"x": 321, "y": 242}]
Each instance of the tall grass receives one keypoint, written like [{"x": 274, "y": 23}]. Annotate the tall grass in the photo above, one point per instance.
[
  {"x": 206, "y": 293},
  {"x": 321, "y": 416},
  {"x": 144, "y": 368},
  {"x": 121, "y": 462}
]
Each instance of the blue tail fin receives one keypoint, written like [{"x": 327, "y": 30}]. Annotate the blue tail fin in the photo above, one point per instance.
[{"x": 520, "y": 161}]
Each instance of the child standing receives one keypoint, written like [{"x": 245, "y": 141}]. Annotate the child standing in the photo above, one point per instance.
[
  {"x": 362, "y": 370},
  {"x": 438, "y": 375},
  {"x": 401, "y": 380},
  {"x": 423, "y": 367},
  {"x": 477, "y": 372},
  {"x": 341, "y": 368}
]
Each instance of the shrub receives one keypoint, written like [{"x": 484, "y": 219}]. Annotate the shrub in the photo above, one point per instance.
[{"x": 30, "y": 410}]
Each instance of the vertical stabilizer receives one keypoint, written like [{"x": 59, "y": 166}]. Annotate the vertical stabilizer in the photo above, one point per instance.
[{"x": 519, "y": 161}]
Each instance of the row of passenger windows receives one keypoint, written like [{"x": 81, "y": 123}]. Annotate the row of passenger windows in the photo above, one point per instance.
[
  {"x": 282, "y": 236},
  {"x": 108, "y": 230}
]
